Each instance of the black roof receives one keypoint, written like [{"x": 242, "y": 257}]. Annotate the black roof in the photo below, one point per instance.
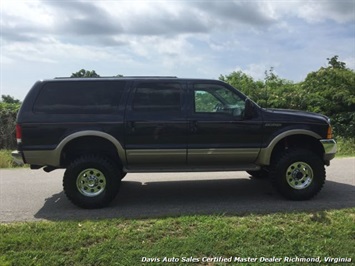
[{"x": 121, "y": 77}]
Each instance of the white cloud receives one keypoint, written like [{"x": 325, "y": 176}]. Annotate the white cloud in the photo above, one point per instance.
[
  {"x": 341, "y": 11},
  {"x": 185, "y": 38},
  {"x": 257, "y": 70},
  {"x": 350, "y": 62}
]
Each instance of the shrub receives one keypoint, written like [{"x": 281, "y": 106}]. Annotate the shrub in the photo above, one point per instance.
[{"x": 8, "y": 113}]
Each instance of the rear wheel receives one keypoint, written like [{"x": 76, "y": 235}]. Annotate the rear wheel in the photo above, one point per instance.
[
  {"x": 298, "y": 174},
  {"x": 91, "y": 181}
]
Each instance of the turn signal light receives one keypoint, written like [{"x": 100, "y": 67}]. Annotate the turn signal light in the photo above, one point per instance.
[{"x": 330, "y": 133}]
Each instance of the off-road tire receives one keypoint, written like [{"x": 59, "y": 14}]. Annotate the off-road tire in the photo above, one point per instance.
[
  {"x": 92, "y": 181},
  {"x": 298, "y": 174}
]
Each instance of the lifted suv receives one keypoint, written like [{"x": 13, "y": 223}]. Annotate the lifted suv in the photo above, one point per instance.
[{"x": 100, "y": 129}]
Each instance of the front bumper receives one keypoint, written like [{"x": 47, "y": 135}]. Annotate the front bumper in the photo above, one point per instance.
[
  {"x": 330, "y": 149},
  {"x": 17, "y": 157}
]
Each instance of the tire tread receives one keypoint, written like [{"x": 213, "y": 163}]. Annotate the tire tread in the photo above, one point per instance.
[
  {"x": 278, "y": 168},
  {"x": 113, "y": 174}
]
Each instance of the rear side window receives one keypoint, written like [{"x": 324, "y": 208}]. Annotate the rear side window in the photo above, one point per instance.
[
  {"x": 79, "y": 97},
  {"x": 157, "y": 97}
]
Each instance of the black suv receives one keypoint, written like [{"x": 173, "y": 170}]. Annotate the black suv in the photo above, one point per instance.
[{"x": 99, "y": 129}]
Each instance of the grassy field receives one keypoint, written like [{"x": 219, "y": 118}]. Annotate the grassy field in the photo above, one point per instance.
[
  {"x": 346, "y": 147},
  {"x": 201, "y": 238},
  {"x": 188, "y": 240}
]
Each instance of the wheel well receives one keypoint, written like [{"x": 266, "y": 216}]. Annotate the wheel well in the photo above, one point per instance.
[
  {"x": 299, "y": 141},
  {"x": 89, "y": 144}
]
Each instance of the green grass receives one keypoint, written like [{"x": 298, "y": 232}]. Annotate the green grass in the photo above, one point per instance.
[
  {"x": 6, "y": 160},
  {"x": 126, "y": 242},
  {"x": 346, "y": 147}
]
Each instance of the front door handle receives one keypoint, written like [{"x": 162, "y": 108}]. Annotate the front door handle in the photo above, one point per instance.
[{"x": 193, "y": 126}]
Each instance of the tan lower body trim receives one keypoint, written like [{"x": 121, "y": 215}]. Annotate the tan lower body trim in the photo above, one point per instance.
[{"x": 222, "y": 156}]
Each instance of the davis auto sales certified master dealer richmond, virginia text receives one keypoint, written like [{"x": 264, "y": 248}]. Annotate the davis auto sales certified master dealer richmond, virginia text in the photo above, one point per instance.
[{"x": 237, "y": 259}]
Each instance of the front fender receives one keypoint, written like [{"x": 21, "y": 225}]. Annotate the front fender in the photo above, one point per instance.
[{"x": 265, "y": 153}]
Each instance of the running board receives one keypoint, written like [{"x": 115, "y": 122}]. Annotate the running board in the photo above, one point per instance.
[{"x": 247, "y": 167}]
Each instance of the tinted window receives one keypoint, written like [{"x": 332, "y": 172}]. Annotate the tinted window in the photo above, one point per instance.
[
  {"x": 79, "y": 97},
  {"x": 157, "y": 97}
]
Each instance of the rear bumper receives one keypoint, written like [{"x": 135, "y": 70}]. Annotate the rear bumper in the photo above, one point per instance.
[
  {"x": 17, "y": 157},
  {"x": 330, "y": 149},
  {"x": 37, "y": 157}
]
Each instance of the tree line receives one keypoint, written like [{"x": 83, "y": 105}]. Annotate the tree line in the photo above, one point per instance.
[{"x": 329, "y": 90}]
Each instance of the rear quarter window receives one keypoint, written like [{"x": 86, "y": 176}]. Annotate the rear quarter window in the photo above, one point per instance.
[{"x": 79, "y": 97}]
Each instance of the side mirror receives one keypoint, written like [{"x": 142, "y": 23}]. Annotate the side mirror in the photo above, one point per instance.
[{"x": 249, "y": 109}]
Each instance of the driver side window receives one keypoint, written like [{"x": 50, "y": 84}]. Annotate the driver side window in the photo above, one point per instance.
[
  {"x": 205, "y": 102},
  {"x": 211, "y": 98}
]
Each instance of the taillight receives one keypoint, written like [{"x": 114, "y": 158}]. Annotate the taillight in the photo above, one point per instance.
[
  {"x": 18, "y": 133},
  {"x": 329, "y": 133}
]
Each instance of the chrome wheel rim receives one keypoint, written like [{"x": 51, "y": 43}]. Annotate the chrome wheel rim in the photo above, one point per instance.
[
  {"x": 91, "y": 182},
  {"x": 299, "y": 175}
]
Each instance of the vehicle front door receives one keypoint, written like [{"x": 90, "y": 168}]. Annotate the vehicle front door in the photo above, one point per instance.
[{"x": 220, "y": 134}]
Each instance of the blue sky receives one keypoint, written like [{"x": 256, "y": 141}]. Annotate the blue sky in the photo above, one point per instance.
[{"x": 202, "y": 39}]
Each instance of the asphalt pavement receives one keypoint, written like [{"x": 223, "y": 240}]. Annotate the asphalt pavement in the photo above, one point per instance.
[{"x": 29, "y": 195}]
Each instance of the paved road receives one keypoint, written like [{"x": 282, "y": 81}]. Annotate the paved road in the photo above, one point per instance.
[{"x": 27, "y": 195}]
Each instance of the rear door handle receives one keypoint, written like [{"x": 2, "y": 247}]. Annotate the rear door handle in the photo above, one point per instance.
[{"x": 132, "y": 126}]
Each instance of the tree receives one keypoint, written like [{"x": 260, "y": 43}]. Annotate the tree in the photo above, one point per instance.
[
  {"x": 85, "y": 74},
  {"x": 331, "y": 91},
  {"x": 9, "y": 107},
  {"x": 89, "y": 74},
  {"x": 282, "y": 93},
  {"x": 332, "y": 88},
  {"x": 9, "y": 99},
  {"x": 335, "y": 63},
  {"x": 273, "y": 91},
  {"x": 245, "y": 84}
]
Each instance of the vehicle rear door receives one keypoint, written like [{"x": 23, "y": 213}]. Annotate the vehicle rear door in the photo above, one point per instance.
[{"x": 155, "y": 125}]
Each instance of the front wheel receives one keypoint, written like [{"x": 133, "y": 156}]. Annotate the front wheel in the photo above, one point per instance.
[
  {"x": 91, "y": 181},
  {"x": 298, "y": 174}
]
